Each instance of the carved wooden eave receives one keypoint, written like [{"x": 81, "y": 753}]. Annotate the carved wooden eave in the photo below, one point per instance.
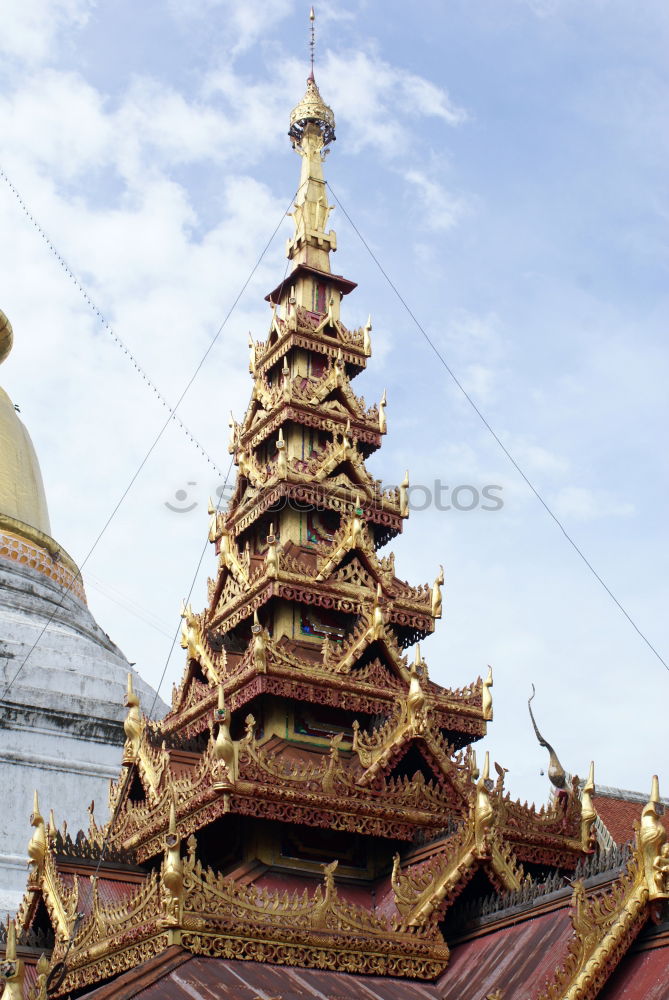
[
  {"x": 412, "y": 724},
  {"x": 60, "y": 899},
  {"x": 424, "y": 891},
  {"x": 209, "y": 914},
  {"x": 370, "y": 690},
  {"x": 327, "y": 403},
  {"x": 267, "y": 783},
  {"x": 384, "y": 511},
  {"x": 301, "y": 330}
]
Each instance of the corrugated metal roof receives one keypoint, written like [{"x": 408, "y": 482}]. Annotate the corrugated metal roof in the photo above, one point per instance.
[
  {"x": 112, "y": 891},
  {"x": 218, "y": 979},
  {"x": 641, "y": 976},
  {"x": 516, "y": 959}
]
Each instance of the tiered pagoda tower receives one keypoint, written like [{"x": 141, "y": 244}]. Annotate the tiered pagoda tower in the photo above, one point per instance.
[{"x": 312, "y": 799}]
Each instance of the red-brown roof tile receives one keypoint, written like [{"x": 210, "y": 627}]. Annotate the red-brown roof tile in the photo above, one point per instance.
[{"x": 619, "y": 814}]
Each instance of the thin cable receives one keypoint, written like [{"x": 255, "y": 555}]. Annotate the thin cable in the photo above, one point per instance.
[
  {"x": 190, "y": 591},
  {"x": 508, "y": 454},
  {"x": 156, "y": 440},
  {"x": 59, "y": 972},
  {"x": 107, "y": 326}
]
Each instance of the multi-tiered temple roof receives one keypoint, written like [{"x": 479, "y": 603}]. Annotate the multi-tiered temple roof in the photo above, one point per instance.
[{"x": 310, "y": 819}]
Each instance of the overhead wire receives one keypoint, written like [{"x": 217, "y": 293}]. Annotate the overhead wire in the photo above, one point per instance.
[
  {"x": 496, "y": 437},
  {"x": 105, "y": 323},
  {"x": 156, "y": 440},
  {"x": 59, "y": 972}
]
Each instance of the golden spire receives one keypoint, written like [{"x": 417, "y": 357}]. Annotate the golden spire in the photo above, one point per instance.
[{"x": 312, "y": 128}]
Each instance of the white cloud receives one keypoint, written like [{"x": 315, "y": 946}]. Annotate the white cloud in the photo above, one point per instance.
[
  {"x": 368, "y": 93},
  {"x": 437, "y": 208},
  {"x": 582, "y": 504},
  {"x": 245, "y": 23},
  {"x": 30, "y": 27}
]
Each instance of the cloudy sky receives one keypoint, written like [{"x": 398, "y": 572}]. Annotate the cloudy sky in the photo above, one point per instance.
[{"x": 506, "y": 160}]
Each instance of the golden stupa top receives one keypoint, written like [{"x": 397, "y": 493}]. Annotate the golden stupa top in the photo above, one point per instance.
[
  {"x": 22, "y": 496},
  {"x": 6, "y": 336},
  {"x": 312, "y": 109}
]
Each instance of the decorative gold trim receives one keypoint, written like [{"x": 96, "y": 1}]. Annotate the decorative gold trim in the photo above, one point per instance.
[{"x": 606, "y": 924}]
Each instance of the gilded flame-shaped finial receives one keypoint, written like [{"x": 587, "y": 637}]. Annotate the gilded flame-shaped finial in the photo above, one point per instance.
[
  {"x": 224, "y": 768},
  {"x": 588, "y": 812},
  {"x": 653, "y": 846},
  {"x": 37, "y": 843},
  {"x": 483, "y": 809},
  {"x": 556, "y": 773},
  {"x": 404, "y": 495},
  {"x": 437, "y": 601},
  {"x": 416, "y": 698},
  {"x": 259, "y": 644},
  {"x": 132, "y": 724},
  {"x": 383, "y": 421},
  {"x": 11, "y": 969},
  {"x": 378, "y": 617},
  {"x": 486, "y": 696},
  {"x": 172, "y": 875}
]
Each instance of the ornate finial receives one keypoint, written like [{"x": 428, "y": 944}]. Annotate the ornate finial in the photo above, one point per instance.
[
  {"x": 588, "y": 812},
  {"x": 259, "y": 644},
  {"x": 172, "y": 875},
  {"x": 653, "y": 846},
  {"x": 383, "y": 422},
  {"x": 42, "y": 970},
  {"x": 483, "y": 809},
  {"x": 312, "y": 118},
  {"x": 556, "y": 772},
  {"x": 367, "y": 337},
  {"x": 11, "y": 969},
  {"x": 37, "y": 843},
  {"x": 6, "y": 336},
  {"x": 132, "y": 724},
  {"x": 224, "y": 769},
  {"x": 486, "y": 696},
  {"x": 404, "y": 495},
  {"x": 436, "y": 594},
  {"x": 416, "y": 699},
  {"x": 378, "y": 618}
]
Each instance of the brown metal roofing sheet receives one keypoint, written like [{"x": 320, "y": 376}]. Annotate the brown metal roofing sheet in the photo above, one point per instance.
[
  {"x": 641, "y": 976},
  {"x": 516, "y": 959},
  {"x": 221, "y": 979}
]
